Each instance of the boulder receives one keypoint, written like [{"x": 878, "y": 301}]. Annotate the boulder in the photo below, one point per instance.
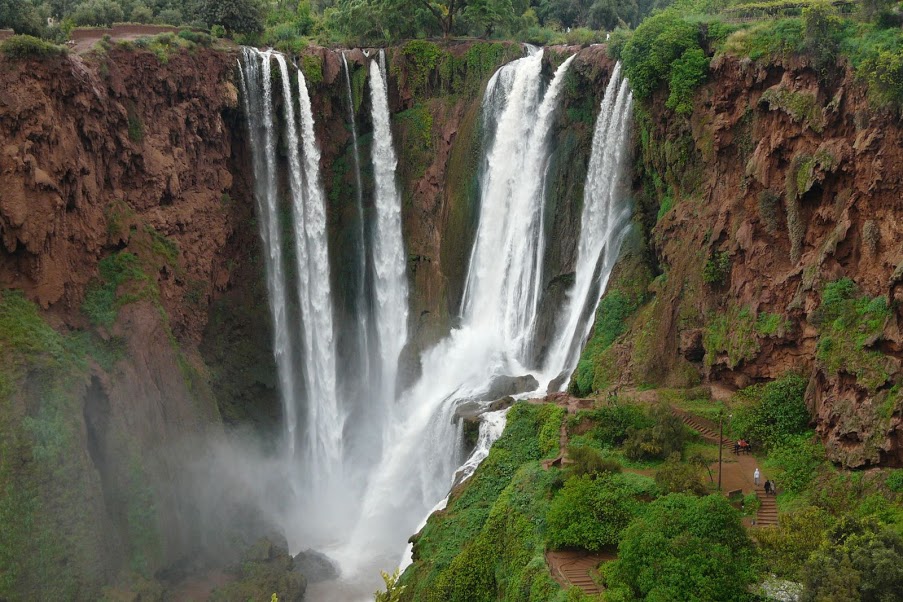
[
  {"x": 504, "y": 385},
  {"x": 266, "y": 568},
  {"x": 558, "y": 384},
  {"x": 316, "y": 566}
]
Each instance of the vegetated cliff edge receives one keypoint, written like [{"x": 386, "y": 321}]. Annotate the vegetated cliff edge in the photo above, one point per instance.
[
  {"x": 772, "y": 220},
  {"x": 131, "y": 321}
]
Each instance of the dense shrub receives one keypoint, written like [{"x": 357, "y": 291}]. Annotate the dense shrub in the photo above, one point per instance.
[
  {"x": 772, "y": 411},
  {"x": 591, "y": 513},
  {"x": 24, "y": 46},
  {"x": 667, "y": 49},
  {"x": 683, "y": 548},
  {"x": 665, "y": 437},
  {"x": 796, "y": 460},
  {"x": 717, "y": 268},
  {"x": 586, "y": 461},
  {"x": 861, "y": 561},
  {"x": 675, "y": 476},
  {"x": 611, "y": 423}
]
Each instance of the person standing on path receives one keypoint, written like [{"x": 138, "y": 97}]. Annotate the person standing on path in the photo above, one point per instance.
[{"x": 756, "y": 476}]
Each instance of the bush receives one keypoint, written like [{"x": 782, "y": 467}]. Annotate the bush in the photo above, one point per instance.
[
  {"x": 591, "y": 513},
  {"x": 586, "y": 461},
  {"x": 665, "y": 437},
  {"x": 665, "y": 49},
  {"x": 675, "y": 476},
  {"x": 773, "y": 411},
  {"x": 22, "y": 46},
  {"x": 717, "y": 269},
  {"x": 862, "y": 561},
  {"x": 683, "y": 544},
  {"x": 611, "y": 423},
  {"x": 894, "y": 481},
  {"x": 796, "y": 460},
  {"x": 787, "y": 547}
]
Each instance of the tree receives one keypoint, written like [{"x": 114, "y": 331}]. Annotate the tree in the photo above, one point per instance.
[
  {"x": 97, "y": 12},
  {"x": 20, "y": 16},
  {"x": 591, "y": 513},
  {"x": 786, "y": 547},
  {"x": 683, "y": 548},
  {"x": 443, "y": 10},
  {"x": 238, "y": 16},
  {"x": 487, "y": 15},
  {"x": 675, "y": 476},
  {"x": 860, "y": 560},
  {"x": 660, "y": 440},
  {"x": 608, "y": 14}
]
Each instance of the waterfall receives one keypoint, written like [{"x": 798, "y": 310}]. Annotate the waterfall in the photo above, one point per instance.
[
  {"x": 361, "y": 305},
  {"x": 422, "y": 447},
  {"x": 257, "y": 94},
  {"x": 502, "y": 290},
  {"x": 390, "y": 282},
  {"x": 324, "y": 425},
  {"x": 360, "y": 506},
  {"x": 313, "y": 423},
  {"x": 604, "y": 223}
]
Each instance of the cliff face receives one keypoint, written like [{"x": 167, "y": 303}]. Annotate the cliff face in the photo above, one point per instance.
[
  {"x": 778, "y": 246},
  {"x": 132, "y": 317},
  {"x": 115, "y": 172}
]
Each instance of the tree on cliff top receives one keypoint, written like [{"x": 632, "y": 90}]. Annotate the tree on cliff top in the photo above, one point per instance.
[{"x": 238, "y": 16}]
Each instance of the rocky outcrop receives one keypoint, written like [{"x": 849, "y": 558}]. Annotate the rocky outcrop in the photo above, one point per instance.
[{"x": 783, "y": 186}]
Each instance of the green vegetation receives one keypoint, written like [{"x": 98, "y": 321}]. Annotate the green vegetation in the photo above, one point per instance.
[
  {"x": 849, "y": 325},
  {"x": 683, "y": 545},
  {"x": 717, "y": 269},
  {"x": 772, "y": 413},
  {"x": 664, "y": 50},
  {"x": 103, "y": 299},
  {"x": 25, "y": 46},
  {"x": 731, "y": 333},
  {"x": 592, "y": 512},
  {"x": 490, "y": 537},
  {"x": 665, "y": 436}
]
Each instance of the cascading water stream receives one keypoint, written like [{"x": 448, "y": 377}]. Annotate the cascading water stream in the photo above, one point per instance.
[
  {"x": 605, "y": 222},
  {"x": 422, "y": 448},
  {"x": 390, "y": 281},
  {"x": 324, "y": 423},
  {"x": 416, "y": 444},
  {"x": 257, "y": 96}
]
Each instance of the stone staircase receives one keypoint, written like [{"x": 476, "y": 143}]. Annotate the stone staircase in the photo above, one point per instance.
[
  {"x": 577, "y": 573},
  {"x": 767, "y": 516},
  {"x": 705, "y": 427}
]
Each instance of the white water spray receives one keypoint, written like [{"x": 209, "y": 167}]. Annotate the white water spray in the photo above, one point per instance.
[
  {"x": 257, "y": 94},
  {"x": 390, "y": 282},
  {"x": 604, "y": 224}
]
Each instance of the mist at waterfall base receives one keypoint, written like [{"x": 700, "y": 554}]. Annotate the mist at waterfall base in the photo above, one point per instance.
[{"x": 360, "y": 465}]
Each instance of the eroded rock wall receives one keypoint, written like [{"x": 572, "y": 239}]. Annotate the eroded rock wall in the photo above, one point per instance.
[{"x": 773, "y": 218}]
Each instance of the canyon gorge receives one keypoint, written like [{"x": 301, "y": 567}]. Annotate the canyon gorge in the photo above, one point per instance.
[{"x": 246, "y": 294}]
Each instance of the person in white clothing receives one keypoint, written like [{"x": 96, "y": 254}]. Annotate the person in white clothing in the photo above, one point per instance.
[{"x": 756, "y": 477}]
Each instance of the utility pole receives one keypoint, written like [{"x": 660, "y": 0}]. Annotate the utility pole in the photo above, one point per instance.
[{"x": 720, "y": 444}]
